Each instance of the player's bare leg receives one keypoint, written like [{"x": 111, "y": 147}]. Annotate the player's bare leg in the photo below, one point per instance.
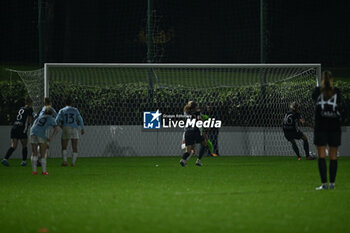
[
  {"x": 24, "y": 143},
  {"x": 75, "y": 151},
  {"x": 306, "y": 147},
  {"x": 333, "y": 166},
  {"x": 186, "y": 155},
  {"x": 64, "y": 144},
  {"x": 34, "y": 158},
  {"x": 46, "y": 154},
  {"x": 295, "y": 148},
  {"x": 43, "y": 147},
  {"x": 38, "y": 163},
  {"x": 47, "y": 150},
  {"x": 322, "y": 167},
  {"x": 14, "y": 143},
  {"x": 201, "y": 152}
]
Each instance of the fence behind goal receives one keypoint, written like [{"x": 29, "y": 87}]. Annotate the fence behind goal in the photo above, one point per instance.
[{"x": 249, "y": 99}]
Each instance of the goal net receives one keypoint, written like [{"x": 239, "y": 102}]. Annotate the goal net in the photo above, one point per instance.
[{"x": 249, "y": 99}]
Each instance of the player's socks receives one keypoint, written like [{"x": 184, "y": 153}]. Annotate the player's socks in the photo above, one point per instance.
[
  {"x": 306, "y": 148},
  {"x": 322, "y": 167},
  {"x": 64, "y": 155},
  {"x": 333, "y": 170},
  {"x": 183, "y": 162},
  {"x": 24, "y": 153},
  {"x": 296, "y": 149},
  {"x": 74, "y": 159},
  {"x": 198, "y": 163},
  {"x": 9, "y": 153},
  {"x": 185, "y": 156},
  {"x": 201, "y": 151},
  {"x": 43, "y": 164},
  {"x": 34, "y": 161}
]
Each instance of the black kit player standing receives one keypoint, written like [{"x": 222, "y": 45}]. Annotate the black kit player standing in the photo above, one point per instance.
[
  {"x": 193, "y": 135},
  {"x": 290, "y": 123},
  {"x": 327, "y": 131},
  {"x": 19, "y": 132}
]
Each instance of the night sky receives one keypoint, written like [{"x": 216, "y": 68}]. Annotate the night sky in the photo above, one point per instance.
[{"x": 183, "y": 31}]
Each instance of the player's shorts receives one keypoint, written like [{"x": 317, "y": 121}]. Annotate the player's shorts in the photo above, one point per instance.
[
  {"x": 70, "y": 133},
  {"x": 329, "y": 137},
  {"x": 18, "y": 133},
  {"x": 292, "y": 135},
  {"x": 192, "y": 137},
  {"x": 37, "y": 140}
]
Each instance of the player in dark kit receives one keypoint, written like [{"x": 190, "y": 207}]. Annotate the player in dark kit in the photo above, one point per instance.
[
  {"x": 19, "y": 132},
  {"x": 193, "y": 135},
  {"x": 291, "y": 131},
  {"x": 327, "y": 131}
]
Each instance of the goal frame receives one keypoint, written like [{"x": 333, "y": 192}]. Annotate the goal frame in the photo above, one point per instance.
[{"x": 176, "y": 65}]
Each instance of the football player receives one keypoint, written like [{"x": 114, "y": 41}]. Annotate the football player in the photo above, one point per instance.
[
  {"x": 47, "y": 103},
  {"x": 38, "y": 138},
  {"x": 69, "y": 119},
  {"x": 327, "y": 130},
  {"x": 193, "y": 135},
  {"x": 291, "y": 131},
  {"x": 19, "y": 132}
]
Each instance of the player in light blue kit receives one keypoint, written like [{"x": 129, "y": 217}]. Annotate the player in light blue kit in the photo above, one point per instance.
[
  {"x": 38, "y": 138},
  {"x": 70, "y": 119},
  {"x": 47, "y": 103}
]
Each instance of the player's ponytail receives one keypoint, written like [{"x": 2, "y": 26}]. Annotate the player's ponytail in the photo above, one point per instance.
[
  {"x": 327, "y": 88},
  {"x": 190, "y": 106},
  {"x": 48, "y": 110}
]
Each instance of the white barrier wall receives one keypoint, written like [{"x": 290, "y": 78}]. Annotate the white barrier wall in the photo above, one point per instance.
[{"x": 109, "y": 141}]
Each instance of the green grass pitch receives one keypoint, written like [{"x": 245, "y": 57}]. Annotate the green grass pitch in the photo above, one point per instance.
[{"x": 133, "y": 194}]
